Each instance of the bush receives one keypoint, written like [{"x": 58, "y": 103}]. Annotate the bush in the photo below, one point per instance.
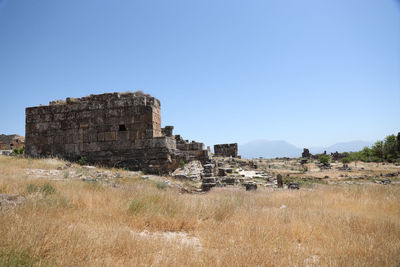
[
  {"x": 19, "y": 151},
  {"x": 31, "y": 188},
  {"x": 182, "y": 163},
  {"x": 46, "y": 189},
  {"x": 82, "y": 161},
  {"x": 346, "y": 160},
  {"x": 324, "y": 159},
  {"x": 13, "y": 257},
  {"x": 161, "y": 185}
]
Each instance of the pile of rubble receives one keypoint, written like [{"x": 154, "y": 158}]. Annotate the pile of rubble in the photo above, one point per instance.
[
  {"x": 229, "y": 172},
  {"x": 190, "y": 171}
]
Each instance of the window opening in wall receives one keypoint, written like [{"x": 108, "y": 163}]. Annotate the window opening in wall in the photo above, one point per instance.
[{"x": 122, "y": 128}]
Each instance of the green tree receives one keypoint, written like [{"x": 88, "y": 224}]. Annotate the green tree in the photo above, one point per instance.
[
  {"x": 366, "y": 154},
  {"x": 398, "y": 144},
  {"x": 390, "y": 147},
  {"x": 345, "y": 161},
  {"x": 377, "y": 150}
]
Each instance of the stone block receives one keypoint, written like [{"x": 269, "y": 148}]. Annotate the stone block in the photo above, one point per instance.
[{"x": 109, "y": 136}]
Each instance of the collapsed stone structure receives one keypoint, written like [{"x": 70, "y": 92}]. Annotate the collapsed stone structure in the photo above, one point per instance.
[
  {"x": 113, "y": 129},
  {"x": 10, "y": 142},
  {"x": 226, "y": 150}
]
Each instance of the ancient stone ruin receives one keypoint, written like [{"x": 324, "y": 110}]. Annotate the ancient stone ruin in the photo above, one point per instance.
[
  {"x": 114, "y": 129},
  {"x": 10, "y": 142},
  {"x": 306, "y": 153},
  {"x": 226, "y": 150}
]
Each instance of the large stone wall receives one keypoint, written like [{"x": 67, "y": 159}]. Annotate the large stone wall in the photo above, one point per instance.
[
  {"x": 226, "y": 150},
  {"x": 118, "y": 129}
]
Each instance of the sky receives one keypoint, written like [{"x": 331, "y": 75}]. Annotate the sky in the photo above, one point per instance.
[{"x": 309, "y": 72}]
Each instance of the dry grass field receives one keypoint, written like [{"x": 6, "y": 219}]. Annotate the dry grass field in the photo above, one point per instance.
[{"x": 134, "y": 222}]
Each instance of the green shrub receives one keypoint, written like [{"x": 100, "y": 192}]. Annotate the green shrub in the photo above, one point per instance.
[
  {"x": 161, "y": 185},
  {"x": 19, "y": 151},
  {"x": 346, "y": 160},
  {"x": 31, "y": 188},
  {"x": 182, "y": 163},
  {"x": 47, "y": 189},
  {"x": 324, "y": 159},
  {"x": 13, "y": 257},
  {"x": 82, "y": 161}
]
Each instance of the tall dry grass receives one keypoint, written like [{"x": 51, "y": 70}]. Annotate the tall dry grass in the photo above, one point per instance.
[{"x": 90, "y": 224}]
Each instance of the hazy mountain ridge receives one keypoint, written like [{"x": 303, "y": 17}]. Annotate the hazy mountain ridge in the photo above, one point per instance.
[{"x": 280, "y": 148}]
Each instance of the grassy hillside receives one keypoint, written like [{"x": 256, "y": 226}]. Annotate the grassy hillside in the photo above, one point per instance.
[{"x": 131, "y": 221}]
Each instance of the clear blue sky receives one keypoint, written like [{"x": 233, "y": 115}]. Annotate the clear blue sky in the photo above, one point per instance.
[{"x": 310, "y": 72}]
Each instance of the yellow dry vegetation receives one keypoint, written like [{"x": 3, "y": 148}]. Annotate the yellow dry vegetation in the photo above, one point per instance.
[{"x": 136, "y": 223}]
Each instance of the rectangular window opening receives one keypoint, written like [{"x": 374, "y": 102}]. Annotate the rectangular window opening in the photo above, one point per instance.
[{"x": 122, "y": 128}]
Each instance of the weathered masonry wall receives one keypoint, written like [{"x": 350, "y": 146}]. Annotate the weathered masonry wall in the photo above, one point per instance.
[
  {"x": 226, "y": 150},
  {"x": 118, "y": 129}
]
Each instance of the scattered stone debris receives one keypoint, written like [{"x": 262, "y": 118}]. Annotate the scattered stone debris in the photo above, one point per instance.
[
  {"x": 383, "y": 181},
  {"x": 392, "y": 174},
  {"x": 303, "y": 161},
  {"x": 6, "y": 152},
  {"x": 208, "y": 183},
  {"x": 325, "y": 166},
  {"x": 293, "y": 186},
  {"x": 250, "y": 186},
  {"x": 181, "y": 237},
  {"x": 228, "y": 180},
  {"x": 345, "y": 167},
  {"x": 10, "y": 200},
  {"x": 191, "y": 171},
  {"x": 66, "y": 166}
]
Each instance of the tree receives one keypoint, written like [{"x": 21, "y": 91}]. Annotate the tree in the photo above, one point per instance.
[
  {"x": 346, "y": 161},
  {"x": 366, "y": 154},
  {"x": 390, "y": 147},
  {"x": 324, "y": 159},
  {"x": 377, "y": 150},
  {"x": 398, "y": 144}
]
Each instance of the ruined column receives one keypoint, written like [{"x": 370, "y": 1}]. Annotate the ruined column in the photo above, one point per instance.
[{"x": 280, "y": 181}]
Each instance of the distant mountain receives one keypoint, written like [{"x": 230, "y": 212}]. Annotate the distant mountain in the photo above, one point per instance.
[
  {"x": 343, "y": 147},
  {"x": 269, "y": 149},
  {"x": 280, "y": 148}
]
